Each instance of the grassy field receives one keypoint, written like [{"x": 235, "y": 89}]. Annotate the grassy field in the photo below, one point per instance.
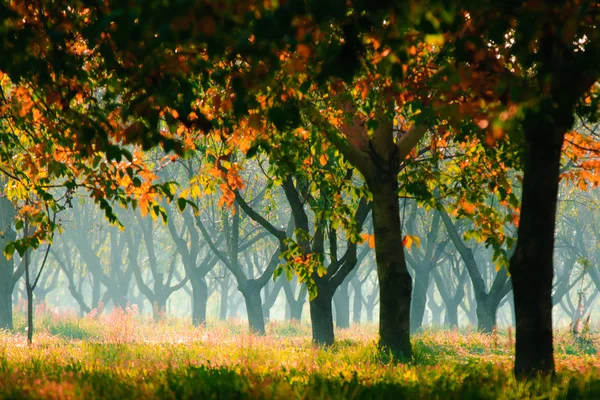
[{"x": 121, "y": 356}]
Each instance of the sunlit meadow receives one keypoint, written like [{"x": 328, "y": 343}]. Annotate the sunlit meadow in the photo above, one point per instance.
[{"x": 122, "y": 355}]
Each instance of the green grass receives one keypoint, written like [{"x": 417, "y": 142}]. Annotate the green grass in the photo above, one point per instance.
[{"x": 125, "y": 357}]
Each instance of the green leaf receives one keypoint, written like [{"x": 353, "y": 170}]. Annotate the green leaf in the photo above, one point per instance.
[{"x": 181, "y": 203}]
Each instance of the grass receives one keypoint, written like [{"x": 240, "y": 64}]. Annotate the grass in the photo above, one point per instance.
[{"x": 120, "y": 355}]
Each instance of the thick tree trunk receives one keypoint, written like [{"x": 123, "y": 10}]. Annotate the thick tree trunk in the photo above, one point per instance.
[
  {"x": 357, "y": 303},
  {"x": 159, "y": 308},
  {"x": 419, "y": 300},
  {"x": 199, "y": 300},
  {"x": 486, "y": 315},
  {"x": 256, "y": 320},
  {"x": 395, "y": 283},
  {"x": 341, "y": 300},
  {"x": 531, "y": 266},
  {"x": 321, "y": 316},
  {"x": 296, "y": 308},
  {"x": 451, "y": 318}
]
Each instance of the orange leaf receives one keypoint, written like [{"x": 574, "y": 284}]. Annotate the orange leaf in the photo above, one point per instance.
[{"x": 323, "y": 159}]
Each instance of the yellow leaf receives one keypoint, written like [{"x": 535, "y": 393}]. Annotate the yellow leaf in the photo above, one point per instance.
[{"x": 371, "y": 241}]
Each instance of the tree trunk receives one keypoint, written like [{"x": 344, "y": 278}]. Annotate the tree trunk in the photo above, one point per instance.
[
  {"x": 256, "y": 320},
  {"x": 159, "y": 308},
  {"x": 6, "y": 289},
  {"x": 370, "y": 309},
  {"x": 199, "y": 300},
  {"x": 436, "y": 312},
  {"x": 531, "y": 266},
  {"x": 7, "y": 212},
  {"x": 321, "y": 317},
  {"x": 341, "y": 300},
  {"x": 357, "y": 303},
  {"x": 486, "y": 315},
  {"x": 395, "y": 283},
  {"x": 419, "y": 300},
  {"x": 224, "y": 301},
  {"x": 451, "y": 318},
  {"x": 296, "y": 308}
]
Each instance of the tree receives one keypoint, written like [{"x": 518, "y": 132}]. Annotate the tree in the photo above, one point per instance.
[{"x": 556, "y": 77}]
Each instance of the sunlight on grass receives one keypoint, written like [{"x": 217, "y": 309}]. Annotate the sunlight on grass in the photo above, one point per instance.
[{"x": 121, "y": 355}]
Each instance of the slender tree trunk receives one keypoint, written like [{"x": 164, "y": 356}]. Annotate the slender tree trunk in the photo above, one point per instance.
[
  {"x": 531, "y": 266},
  {"x": 341, "y": 300},
  {"x": 321, "y": 316},
  {"x": 7, "y": 212},
  {"x": 419, "y": 300},
  {"x": 370, "y": 309},
  {"x": 254, "y": 310},
  {"x": 395, "y": 282},
  {"x": 357, "y": 303},
  {"x": 6, "y": 289},
  {"x": 224, "y": 301},
  {"x": 29, "y": 291},
  {"x": 199, "y": 300}
]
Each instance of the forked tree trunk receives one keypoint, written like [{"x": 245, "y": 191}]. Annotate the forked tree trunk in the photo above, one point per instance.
[
  {"x": 531, "y": 266},
  {"x": 395, "y": 283},
  {"x": 321, "y": 316}
]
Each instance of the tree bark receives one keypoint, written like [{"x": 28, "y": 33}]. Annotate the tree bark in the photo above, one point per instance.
[
  {"x": 531, "y": 266},
  {"x": 321, "y": 316},
  {"x": 395, "y": 282}
]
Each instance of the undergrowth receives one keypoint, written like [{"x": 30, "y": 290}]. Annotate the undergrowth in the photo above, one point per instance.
[{"x": 121, "y": 355}]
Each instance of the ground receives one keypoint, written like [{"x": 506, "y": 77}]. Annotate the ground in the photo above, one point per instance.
[{"x": 122, "y": 356}]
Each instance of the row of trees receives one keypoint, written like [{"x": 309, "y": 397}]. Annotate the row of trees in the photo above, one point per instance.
[
  {"x": 342, "y": 100},
  {"x": 95, "y": 263}
]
